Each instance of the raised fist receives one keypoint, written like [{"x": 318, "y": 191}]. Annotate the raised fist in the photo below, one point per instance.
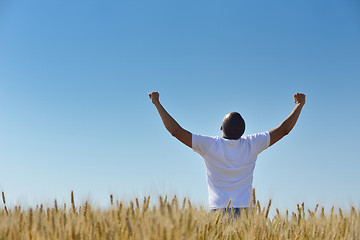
[
  {"x": 299, "y": 98},
  {"x": 154, "y": 96}
]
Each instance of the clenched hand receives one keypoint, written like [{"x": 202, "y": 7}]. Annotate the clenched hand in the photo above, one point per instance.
[
  {"x": 154, "y": 96},
  {"x": 299, "y": 98}
]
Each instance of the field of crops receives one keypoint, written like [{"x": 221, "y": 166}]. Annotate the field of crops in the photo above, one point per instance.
[{"x": 173, "y": 219}]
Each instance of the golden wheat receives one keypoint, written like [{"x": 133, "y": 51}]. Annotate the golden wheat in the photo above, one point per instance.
[{"x": 167, "y": 221}]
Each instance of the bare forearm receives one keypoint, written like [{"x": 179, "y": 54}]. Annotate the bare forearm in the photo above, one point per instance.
[
  {"x": 289, "y": 123},
  {"x": 170, "y": 124}
]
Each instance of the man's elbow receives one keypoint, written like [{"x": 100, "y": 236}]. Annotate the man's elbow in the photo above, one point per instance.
[
  {"x": 174, "y": 133},
  {"x": 177, "y": 132},
  {"x": 286, "y": 131}
]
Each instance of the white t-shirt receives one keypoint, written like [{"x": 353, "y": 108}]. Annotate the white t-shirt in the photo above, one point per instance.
[{"x": 229, "y": 167}]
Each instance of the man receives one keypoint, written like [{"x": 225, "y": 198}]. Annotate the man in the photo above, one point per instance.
[{"x": 230, "y": 160}]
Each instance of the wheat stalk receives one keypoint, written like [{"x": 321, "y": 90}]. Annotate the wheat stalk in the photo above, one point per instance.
[{"x": 167, "y": 221}]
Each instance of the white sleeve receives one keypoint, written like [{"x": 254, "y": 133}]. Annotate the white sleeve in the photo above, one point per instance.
[
  {"x": 260, "y": 141},
  {"x": 202, "y": 144}
]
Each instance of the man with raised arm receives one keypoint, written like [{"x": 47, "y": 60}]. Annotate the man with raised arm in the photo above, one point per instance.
[{"x": 230, "y": 159}]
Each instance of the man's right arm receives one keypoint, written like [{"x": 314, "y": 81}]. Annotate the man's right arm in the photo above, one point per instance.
[{"x": 287, "y": 125}]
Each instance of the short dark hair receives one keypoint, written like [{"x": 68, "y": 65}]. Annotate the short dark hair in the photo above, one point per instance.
[{"x": 233, "y": 125}]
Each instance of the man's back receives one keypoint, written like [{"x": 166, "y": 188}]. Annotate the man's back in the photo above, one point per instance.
[
  {"x": 230, "y": 163},
  {"x": 229, "y": 167}
]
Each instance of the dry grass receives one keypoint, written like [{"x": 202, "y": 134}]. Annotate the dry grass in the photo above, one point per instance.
[{"x": 172, "y": 219}]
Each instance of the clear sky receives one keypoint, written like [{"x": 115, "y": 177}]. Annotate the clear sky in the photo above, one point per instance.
[{"x": 75, "y": 114}]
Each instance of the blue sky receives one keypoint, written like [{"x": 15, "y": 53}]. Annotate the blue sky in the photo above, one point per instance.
[{"x": 75, "y": 115}]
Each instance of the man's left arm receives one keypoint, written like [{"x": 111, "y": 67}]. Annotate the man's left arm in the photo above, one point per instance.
[{"x": 170, "y": 124}]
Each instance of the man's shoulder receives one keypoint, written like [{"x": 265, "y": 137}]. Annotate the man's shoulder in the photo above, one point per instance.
[
  {"x": 203, "y": 143},
  {"x": 201, "y": 136},
  {"x": 256, "y": 135},
  {"x": 258, "y": 141}
]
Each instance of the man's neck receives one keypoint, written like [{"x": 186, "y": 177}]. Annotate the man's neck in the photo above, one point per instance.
[{"x": 225, "y": 137}]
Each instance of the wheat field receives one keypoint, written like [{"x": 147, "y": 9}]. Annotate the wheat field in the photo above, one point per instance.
[{"x": 173, "y": 219}]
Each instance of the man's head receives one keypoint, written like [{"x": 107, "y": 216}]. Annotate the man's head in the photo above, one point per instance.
[{"x": 233, "y": 126}]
